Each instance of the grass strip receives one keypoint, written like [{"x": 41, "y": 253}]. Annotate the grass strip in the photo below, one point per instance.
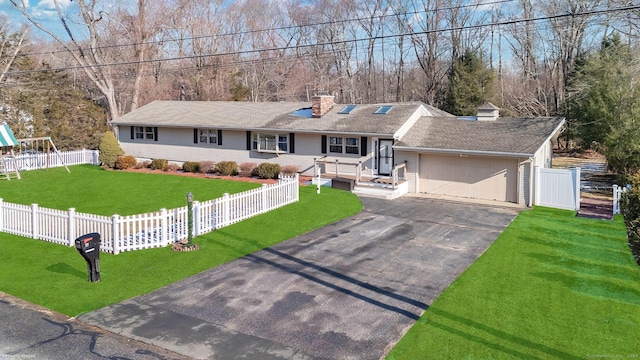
[{"x": 552, "y": 286}]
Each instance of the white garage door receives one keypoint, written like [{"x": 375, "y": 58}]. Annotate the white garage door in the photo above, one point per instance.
[{"x": 470, "y": 176}]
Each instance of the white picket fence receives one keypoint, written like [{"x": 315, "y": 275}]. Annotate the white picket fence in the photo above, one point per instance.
[
  {"x": 34, "y": 161},
  {"x": 617, "y": 193},
  {"x": 143, "y": 231}
]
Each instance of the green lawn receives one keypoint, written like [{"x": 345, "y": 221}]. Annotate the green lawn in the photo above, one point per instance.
[
  {"x": 91, "y": 189},
  {"x": 55, "y": 276},
  {"x": 552, "y": 286}
]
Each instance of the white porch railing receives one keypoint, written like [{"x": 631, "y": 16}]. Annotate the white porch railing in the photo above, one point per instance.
[
  {"x": 35, "y": 161},
  {"x": 617, "y": 193},
  {"x": 156, "y": 229},
  {"x": 337, "y": 168},
  {"x": 398, "y": 172}
]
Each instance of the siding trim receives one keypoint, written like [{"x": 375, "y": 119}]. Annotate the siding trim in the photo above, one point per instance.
[
  {"x": 363, "y": 146},
  {"x": 292, "y": 142}
]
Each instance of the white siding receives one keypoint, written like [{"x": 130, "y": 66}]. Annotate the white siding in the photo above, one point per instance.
[
  {"x": 176, "y": 144},
  {"x": 489, "y": 178},
  {"x": 411, "y": 159}
]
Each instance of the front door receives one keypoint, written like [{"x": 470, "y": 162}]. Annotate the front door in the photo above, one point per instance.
[{"x": 385, "y": 157}]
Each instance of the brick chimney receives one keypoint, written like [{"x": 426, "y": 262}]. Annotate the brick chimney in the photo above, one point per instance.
[
  {"x": 320, "y": 104},
  {"x": 488, "y": 112}
]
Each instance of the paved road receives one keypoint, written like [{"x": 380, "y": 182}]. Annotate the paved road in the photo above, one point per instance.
[
  {"x": 32, "y": 332},
  {"x": 347, "y": 291}
]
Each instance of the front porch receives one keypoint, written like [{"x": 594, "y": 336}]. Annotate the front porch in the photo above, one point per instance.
[{"x": 365, "y": 181}]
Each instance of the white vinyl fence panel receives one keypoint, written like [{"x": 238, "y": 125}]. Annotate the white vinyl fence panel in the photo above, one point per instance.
[
  {"x": 558, "y": 188},
  {"x": 143, "y": 231},
  {"x": 35, "y": 161},
  {"x": 617, "y": 193}
]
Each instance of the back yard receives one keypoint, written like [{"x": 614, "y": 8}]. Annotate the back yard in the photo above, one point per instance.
[{"x": 551, "y": 286}]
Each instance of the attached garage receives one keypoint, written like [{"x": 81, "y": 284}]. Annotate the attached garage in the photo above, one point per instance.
[{"x": 478, "y": 177}]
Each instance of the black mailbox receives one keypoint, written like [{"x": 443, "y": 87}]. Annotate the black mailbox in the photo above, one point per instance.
[{"x": 89, "y": 247}]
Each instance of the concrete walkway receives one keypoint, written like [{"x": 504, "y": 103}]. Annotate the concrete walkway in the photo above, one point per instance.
[{"x": 346, "y": 291}]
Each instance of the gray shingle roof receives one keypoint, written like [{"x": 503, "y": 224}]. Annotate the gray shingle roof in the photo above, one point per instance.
[
  {"x": 271, "y": 115},
  {"x": 506, "y": 135}
]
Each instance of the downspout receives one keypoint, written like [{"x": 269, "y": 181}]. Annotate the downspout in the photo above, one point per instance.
[{"x": 531, "y": 181}]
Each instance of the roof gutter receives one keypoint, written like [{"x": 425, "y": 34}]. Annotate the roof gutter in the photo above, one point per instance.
[
  {"x": 276, "y": 130},
  {"x": 464, "y": 152}
]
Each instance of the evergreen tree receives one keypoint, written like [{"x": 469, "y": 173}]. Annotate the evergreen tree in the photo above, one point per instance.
[
  {"x": 604, "y": 108},
  {"x": 109, "y": 150},
  {"x": 471, "y": 84}
]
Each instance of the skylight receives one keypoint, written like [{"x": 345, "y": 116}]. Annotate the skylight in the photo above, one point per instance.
[
  {"x": 383, "y": 109},
  {"x": 347, "y": 109},
  {"x": 304, "y": 112}
]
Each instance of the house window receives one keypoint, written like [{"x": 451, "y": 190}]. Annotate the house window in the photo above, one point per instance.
[
  {"x": 348, "y": 145},
  {"x": 352, "y": 146},
  {"x": 335, "y": 144},
  {"x": 144, "y": 132},
  {"x": 208, "y": 136},
  {"x": 270, "y": 142},
  {"x": 282, "y": 142}
]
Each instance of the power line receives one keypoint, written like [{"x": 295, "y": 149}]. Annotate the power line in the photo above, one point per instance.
[
  {"x": 337, "y": 42},
  {"x": 247, "y": 32}
]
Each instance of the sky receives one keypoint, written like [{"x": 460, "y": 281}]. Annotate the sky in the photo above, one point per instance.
[{"x": 45, "y": 11}]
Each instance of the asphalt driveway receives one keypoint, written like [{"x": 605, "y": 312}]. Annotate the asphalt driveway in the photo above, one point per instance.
[{"x": 346, "y": 291}]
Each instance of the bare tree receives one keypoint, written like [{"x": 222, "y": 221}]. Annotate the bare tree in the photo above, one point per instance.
[
  {"x": 88, "y": 56},
  {"x": 10, "y": 46},
  {"x": 428, "y": 48}
]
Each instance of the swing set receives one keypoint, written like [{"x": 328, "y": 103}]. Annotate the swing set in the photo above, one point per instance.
[
  {"x": 32, "y": 153},
  {"x": 36, "y": 153}
]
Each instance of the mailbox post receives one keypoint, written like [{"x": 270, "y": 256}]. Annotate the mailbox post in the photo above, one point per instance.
[
  {"x": 189, "y": 219},
  {"x": 89, "y": 247}
]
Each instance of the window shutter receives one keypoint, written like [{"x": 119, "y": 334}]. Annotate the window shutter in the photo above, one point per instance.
[
  {"x": 155, "y": 134},
  {"x": 292, "y": 142},
  {"x": 248, "y": 140},
  {"x": 363, "y": 146},
  {"x": 219, "y": 137},
  {"x": 324, "y": 144},
  {"x": 132, "y": 132},
  {"x": 195, "y": 136}
]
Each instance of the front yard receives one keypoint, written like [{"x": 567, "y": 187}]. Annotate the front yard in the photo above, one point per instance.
[
  {"x": 552, "y": 286},
  {"x": 55, "y": 276}
]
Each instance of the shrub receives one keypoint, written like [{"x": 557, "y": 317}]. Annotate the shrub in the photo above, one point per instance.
[
  {"x": 126, "y": 162},
  {"x": 191, "y": 166},
  {"x": 289, "y": 170},
  {"x": 159, "y": 164},
  {"x": 247, "y": 169},
  {"x": 268, "y": 171},
  {"x": 109, "y": 150},
  {"x": 206, "y": 166},
  {"x": 171, "y": 167},
  {"x": 225, "y": 168},
  {"x": 630, "y": 209},
  {"x": 143, "y": 164}
]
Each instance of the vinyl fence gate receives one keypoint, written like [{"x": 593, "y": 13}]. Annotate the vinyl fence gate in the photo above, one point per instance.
[{"x": 558, "y": 188}]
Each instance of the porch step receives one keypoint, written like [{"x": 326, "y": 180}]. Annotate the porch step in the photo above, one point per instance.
[{"x": 382, "y": 192}]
